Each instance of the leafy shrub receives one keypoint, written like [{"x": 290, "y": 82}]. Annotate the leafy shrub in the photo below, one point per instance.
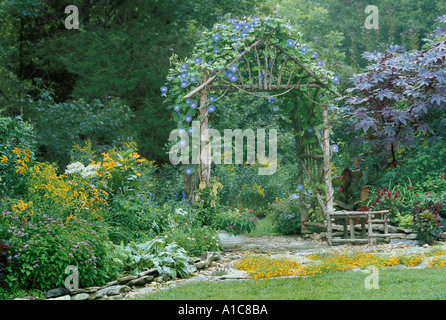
[
  {"x": 76, "y": 121},
  {"x": 42, "y": 250},
  {"x": 404, "y": 221},
  {"x": 196, "y": 240},
  {"x": 139, "y": 217},
  {"x": 286, "y": 216},
  {"x": 235, "y": 222},
  {"x": 427, "y": 226}
]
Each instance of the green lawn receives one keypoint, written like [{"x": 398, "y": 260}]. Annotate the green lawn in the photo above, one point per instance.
[{"x": 427, "y": 284}]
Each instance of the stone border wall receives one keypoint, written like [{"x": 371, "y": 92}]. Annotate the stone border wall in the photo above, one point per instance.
[{"x": 117, "y": 289}]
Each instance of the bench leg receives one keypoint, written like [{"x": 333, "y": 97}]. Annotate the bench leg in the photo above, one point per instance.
[
  {"x": 345, "y": 228},
  {"x": 363, "y": 232},
  {"x": 352, "y": 228}
]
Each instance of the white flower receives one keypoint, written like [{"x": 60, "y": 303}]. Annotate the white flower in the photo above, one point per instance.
[
  {"x": 75, "y": 167},
  {"x": 180, "y": 212},
  {"x": 90, "y": 171}
]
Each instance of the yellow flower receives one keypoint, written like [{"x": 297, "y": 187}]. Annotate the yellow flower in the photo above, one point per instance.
[
  {"x": 17, "y": 152},
  {"x": 4, "y": 159}
]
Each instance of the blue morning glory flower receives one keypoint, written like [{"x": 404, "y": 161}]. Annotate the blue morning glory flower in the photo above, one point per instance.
[
  {"x": 187, "y": 101},
  {"x": 216, "y": 37},
  {"x": 234, "y": 68},
  {"x": 336, "y": 79},
  {"x": 211, "y": 108},
  {"x": 172, "y": 77},
  {"x": 163, "y": 89},
  {"x": 183, "y": 66},
  {"x": 197, "y": 60},
  {"x": 193, "y": 104},
  {"x": 234, "y": 38},
  {"x": 246, "y": 26},
  {"x": 304, "y": 49},
  {"x": 183, "y": 75},
  {"x": 314, "y": 55},
  {"x": 211, "y": 98},
  {"x": 290, "y": 43},
  {"x": 275, "y": 108},
  {"x": 184, "y": 84},
  {"x": 188, "y": 118},
  {"x": 253, "y": 24},
  {"x": 319, "y": 63},
  {"x": 190, "y": 130},
  {"x": 193, "y": 79},
  {"x": 230, "y": 74},
  {"x": 237, "y": 26},
  {"x": 271, "y": 100},
  {"x": 310, "y": 130},
  {"x": 188, "y": 170},
  {"x": 215, "y": 51},
  {"x": 300, "y": 187},
  {"x": 243, "y": 34},
  {"x": 182, "y": 142},
  {"x": 181, "y": 131},
  {"x": 335, "y": 147},
  {"x": 163, "y": 94},
  {"x": 177, "y": 107},
  {"x": 233, "y": 78}
]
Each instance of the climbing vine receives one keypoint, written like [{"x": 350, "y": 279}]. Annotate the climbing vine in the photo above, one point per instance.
[{"x": 265, "y": 57}]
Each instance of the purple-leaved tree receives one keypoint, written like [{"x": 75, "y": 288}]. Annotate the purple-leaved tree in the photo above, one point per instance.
[{"x": 391, "y": 100}]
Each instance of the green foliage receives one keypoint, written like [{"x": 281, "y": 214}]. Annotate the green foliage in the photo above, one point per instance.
[
  {"x": 235, "y": 222},
  {"x": 427, "y": 226},
  {"x": 207, "y": 201},
  {"x": 404, "y": 221},
  {"x": 138, "y": 217},
  {"x": 420, "y": 165},
  {"x": 42, "y": 250},
  {"x": 170, "y": 258},
  {"x": 286, "y": 216},
  {"x": 195, "y": 240},
  {"x": 63, "y": 125},
  {"x": 17, "y": 139}
]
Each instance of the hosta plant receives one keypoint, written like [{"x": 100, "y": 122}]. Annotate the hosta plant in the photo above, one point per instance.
[{"x": 170, "y": 259}]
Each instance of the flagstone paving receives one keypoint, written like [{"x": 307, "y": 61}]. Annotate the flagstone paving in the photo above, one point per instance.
[{"x": 277, "y": 246}]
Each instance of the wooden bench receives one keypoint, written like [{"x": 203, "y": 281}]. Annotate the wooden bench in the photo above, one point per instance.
[{"x": 369, "y": 217}]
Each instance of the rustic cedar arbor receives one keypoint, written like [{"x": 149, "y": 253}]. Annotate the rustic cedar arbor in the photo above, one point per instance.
[{"x": 266, "y": 65}]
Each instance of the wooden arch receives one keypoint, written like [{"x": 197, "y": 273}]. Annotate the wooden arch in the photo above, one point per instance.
[{"x": 266, "y": 73}]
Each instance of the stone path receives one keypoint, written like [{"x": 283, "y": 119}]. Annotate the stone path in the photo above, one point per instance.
[{"x": 275, "y": 246}]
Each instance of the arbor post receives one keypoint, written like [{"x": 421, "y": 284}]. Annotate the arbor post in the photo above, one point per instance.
[{"x": 205, "y": 152}]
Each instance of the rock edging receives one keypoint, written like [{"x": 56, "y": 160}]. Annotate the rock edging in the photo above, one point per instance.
[{"x": 117, "y": 289}]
